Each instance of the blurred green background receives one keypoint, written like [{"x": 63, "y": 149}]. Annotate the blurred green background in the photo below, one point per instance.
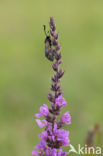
[{"x": 25, "y": 72}]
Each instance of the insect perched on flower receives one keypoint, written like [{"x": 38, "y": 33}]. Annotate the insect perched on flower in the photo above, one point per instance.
[
  {"x": 48, "y": 49},
  {"x": 54, "y": 136}
]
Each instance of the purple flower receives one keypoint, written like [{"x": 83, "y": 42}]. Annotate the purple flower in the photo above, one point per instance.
[
  {"x": 40, "y": 147},
  {"x": 44, "y": 111},
  {"x": 51, "y": 152},
  {"x": 42, "y": 123},
  {"x": 43, "y": 135},
  {"x": 66, "y": 118},
  {"x": 60, "y": 101},
  {"x": 61, "y": 135},
  {"x": 55, "y": 152},
  {"x": 61, "y": 153},
  {"x": 53, "y": 137},
  {"x": 34, "y": 152}
]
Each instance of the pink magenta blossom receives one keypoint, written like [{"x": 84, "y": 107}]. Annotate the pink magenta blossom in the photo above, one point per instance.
[
  {"x": 66, "y": 118},
  {"x": 60, "y": 101},
  {"x": 43, "y": 111}
]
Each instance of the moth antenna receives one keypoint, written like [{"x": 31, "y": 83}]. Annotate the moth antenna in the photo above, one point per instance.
[{"x": 45, "y": 29}]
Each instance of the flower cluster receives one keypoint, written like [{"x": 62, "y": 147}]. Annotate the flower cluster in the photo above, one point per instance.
[{"x": 54, "y": 137}]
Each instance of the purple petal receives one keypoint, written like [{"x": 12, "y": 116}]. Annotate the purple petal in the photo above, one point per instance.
[
  {"x": 60, "y": 101},
  {"x": 37, "y": 115},
  {"x": 66, "y": 118},
  {"x": 44, "y": 111},
  {"x": 40, "y": 124},
  {"x": 35, "y": 152}
]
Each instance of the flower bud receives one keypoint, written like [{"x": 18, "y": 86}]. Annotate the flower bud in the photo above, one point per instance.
[
  {"x": 57, "y": 56},
  {"x": 55, "y": 66},
  {"x": 54, "y": 42},
  {"x": 60, "y": 73},
  {"x": 55, "y": 35},
  {"x": 58, "y": 47}
]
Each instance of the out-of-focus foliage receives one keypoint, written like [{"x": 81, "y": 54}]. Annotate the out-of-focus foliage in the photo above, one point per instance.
[
  {"x": 94, "y": 141},
  {"x": 25, "y": 72}
]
